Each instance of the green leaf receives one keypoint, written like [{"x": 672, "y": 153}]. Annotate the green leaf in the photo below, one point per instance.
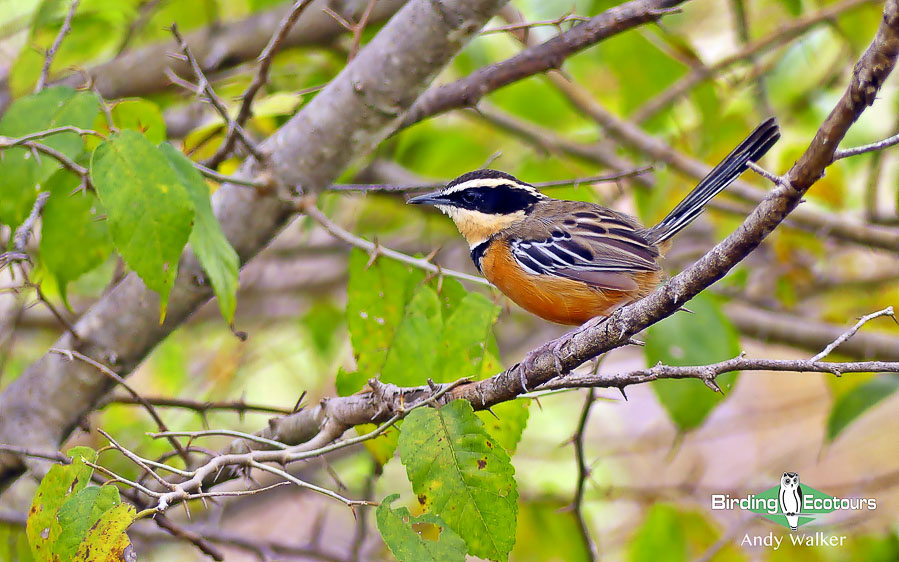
[
  {"x": 60, "y": 483},
  {"x": 859, "y": 400},
  {"x": 22, "y": 172},
  {"x": 74, "y": 234},
  {"x": 79, "y": 514},
  {"x": 460, "y": 474},
  {"x": 411, "y": 359},
  {"x": 207, "y": 240},
  {"x": 140, "y": 115},
  {"x": 348, "y": 382},
  {"x": 377, "y": 295},
  {"x": 451, "y": 292},
  {"x": 107, "y": 540},
  {"x": 408, "y": 545},
  {"x": 706, "y": 336},
  {"x": 150, "y": 212},
  {"x": 464, "y": 344},
  {"x": 660, "y": 537},
  {"x": 507, "y": 422}
]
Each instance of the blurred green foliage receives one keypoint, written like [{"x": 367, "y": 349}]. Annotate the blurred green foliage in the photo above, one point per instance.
[{"x": 398, "y": 323}]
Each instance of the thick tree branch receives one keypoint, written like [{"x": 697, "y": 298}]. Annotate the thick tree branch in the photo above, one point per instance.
[{"x": 534, "y": 60}]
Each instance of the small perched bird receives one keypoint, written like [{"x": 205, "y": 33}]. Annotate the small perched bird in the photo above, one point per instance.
[{"x": 569, "y": 261}]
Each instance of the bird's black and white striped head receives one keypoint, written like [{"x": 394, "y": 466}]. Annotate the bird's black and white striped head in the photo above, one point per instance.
[{"x": 483, "y": 202}]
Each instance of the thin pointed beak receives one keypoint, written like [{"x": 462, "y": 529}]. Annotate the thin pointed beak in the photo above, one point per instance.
[{"x": 427, "y": 199}]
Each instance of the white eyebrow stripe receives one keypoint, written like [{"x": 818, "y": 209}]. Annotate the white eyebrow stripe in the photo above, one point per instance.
[{"x": 489, "y": 182}]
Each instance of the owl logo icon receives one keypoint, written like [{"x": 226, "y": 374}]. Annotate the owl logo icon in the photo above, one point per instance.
[{"x": 790, "y": 498}]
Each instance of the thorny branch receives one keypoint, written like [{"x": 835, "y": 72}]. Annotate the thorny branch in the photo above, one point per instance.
[
  {"x": 72, "y": 355},
  {"x": 203, "y": 87},
  {"x": 196, "y": 480},
  {"x": 583, "y": 473},
  {"x": 308, "y": 207},
  {"x": 259, "y": 80},
  {"x": 51, "y": 53},
  {"x": 888, "y": 311}
]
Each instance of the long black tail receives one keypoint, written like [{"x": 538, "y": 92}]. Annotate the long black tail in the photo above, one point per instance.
[{"x": 751, "y": 149}]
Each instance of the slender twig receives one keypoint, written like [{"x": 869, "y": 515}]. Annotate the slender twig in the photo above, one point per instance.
[
  {"x": 359, "y": 28},
  {"x": 116, "y": 478},
  {"x": 23, "y": 233},
  {"x": 137, "y": 460},
  {"x": 303, "y": 484},
  {"x": 259, "y": 79},
  {"x": 375, "y": 249},
  {"x": 7, "y": 142},
  {"x": 39, "y": 293},
  {"x": 528, "y": 25},
  {"x": 214, "y": 432},
  {"x": 324, "y": 442},
  {"x": 223, "y": 178},
  {"x": 54, "y": 456},
  {"x": 338, "y": 18},
  {"x": 205, "y": 88},
  {"x": 72, "y": 354},
  {"x": 238, "y": 406},
  {"x": 51, "y": 53},
  {"x": 888, "y": 311},
  {"x": 708, "y": 373},
  {"x": 773, "y": 178},
  {"x": 880, "y": 145},
  {"x": 583, "y": 472},
  {"x": 66, "y": 162}
]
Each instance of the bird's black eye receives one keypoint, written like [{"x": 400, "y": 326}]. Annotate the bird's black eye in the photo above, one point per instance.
[{"x": 469, "y": 196}]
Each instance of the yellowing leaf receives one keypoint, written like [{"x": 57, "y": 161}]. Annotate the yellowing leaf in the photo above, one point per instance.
[
  {"x": 60, "y": 483},
  {"x": 460, "y": 474},
  {"x": 396, "y": 526}
]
